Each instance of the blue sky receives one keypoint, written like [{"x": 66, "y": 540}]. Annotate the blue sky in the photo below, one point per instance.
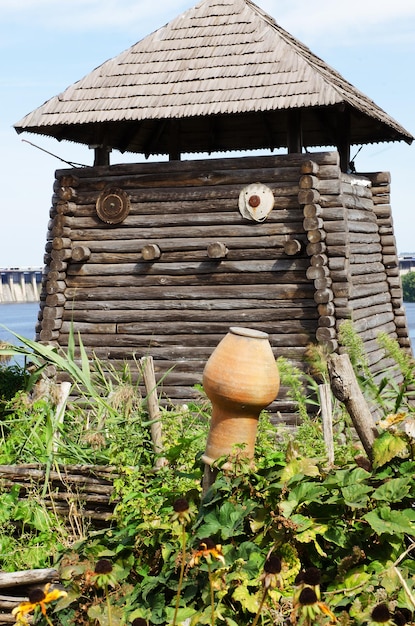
[{"x": 46, "y": 45}]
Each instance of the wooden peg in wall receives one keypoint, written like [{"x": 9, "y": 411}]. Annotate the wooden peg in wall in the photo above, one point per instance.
[
  {"x": 150, "y": 252},
  {"x": 217, "y": 250},
  {"x": 292, "y": 247}
]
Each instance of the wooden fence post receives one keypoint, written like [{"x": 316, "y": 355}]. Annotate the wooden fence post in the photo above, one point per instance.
[{"x": 346, "y": 389}]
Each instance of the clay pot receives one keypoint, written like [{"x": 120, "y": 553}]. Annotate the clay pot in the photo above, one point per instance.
[{"x": 240, "y": 378}]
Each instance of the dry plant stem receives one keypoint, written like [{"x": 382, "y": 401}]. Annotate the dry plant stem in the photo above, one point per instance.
[
  {"x": 212, "y": 596},
  {"x": 261, "y": 604},
  {"x": 405, "y": 586},
  {"x": 108, "y": 606},
  {"x": 404, "y": 554},
  {"x": 182, "y": 566},
  {"x": 48, "y": 620}
]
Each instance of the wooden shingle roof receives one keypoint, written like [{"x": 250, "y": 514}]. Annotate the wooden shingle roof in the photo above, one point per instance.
[{"x": 221, "y": 76}]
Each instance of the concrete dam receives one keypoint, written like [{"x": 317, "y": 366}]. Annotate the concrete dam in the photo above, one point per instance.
[{"x": 20, "y": 284}]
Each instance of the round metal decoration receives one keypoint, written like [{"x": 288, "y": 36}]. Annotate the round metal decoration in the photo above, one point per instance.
[
  {"x": 113, "y": 206},
  {"x": 256, "y": 202}
]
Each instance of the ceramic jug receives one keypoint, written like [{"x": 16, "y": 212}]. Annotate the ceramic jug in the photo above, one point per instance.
[{"x": 240, "y": 378}]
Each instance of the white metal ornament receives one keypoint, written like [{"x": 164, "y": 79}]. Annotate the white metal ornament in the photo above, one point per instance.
[{"x": 256, "y": 202}]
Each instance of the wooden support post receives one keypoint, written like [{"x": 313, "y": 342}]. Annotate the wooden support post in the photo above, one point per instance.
[
  {"x": 147, "y": 365},
  {"x": 327, "y": 419},
  {"x": 346, "y": 389},
  {"x": 209, "y": 477},
  {"x": 63, "y": 395}
]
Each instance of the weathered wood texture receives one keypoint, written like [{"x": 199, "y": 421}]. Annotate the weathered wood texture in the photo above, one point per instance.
[
  {"x": 357, "y": 257},
  {"x": 184, "y": 265},
  {"x": 79, "y": 490}
]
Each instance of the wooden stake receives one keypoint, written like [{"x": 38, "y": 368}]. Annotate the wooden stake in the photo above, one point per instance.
[
  {"x": 63, "y": 394},
  {"x": 147, "y": 365},
  {"x": 327, "y": 419},
  {"x": 346, "y": 389}
]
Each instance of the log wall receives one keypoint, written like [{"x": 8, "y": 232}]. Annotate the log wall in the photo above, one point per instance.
[{"x": 184, "y": 265}]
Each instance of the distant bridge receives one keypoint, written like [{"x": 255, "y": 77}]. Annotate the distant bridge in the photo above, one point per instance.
[
  {"x": 21, "y": 284},
  {"x": 406, "y": 262}
]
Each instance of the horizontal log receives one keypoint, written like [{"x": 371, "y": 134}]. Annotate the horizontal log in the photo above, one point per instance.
[
  {"x": 323, "y": 283},
  {"x": 317, "y": 260},
  {"x": 48, "y": 335},
  {"x": 366, "y": 289},
  {"x": 133, "y": 270},
  {"x": 348, "y": 201},
  {"x": 371, "y": 308},
  {"x": 218, "y": 304},
  {"x": 309, "y": 181},
  {"x": 184, "y": 227},
  {"x": 341, "y": 289},
  {"x": 52, "y": 312},
  {"x": 84, "y": 327},
  {"x": 383, "y": 211},
  {"x": 376, "y": 320},
  {"x": 54, "y": 275},
  {"x": 390, "y": 260},
  {"x": 143, "y": 343},
  {"x": 338, "y": 263},
  {"x": 310, "y": 167},
  {"x": 80, "y": 254},
  {"x": 60, "y": 243},
  {"x": 325, "y": 334},
  {"x": 168, "y": 242},
  {"x": 210, "y": 279},
  {"x": 188, "y": 292},
  {"x": 312, "y": 210},
  {"x": 388, "y": 328},
  {"x": 340, "y": 226},
  {"x": 56, "y": 299},
  {"x": 343, "y": 313},
  {"x": 206, "y": 328},
  {"x": 58, "y": 266},
  {"x": 381, "y": 199},
  {"x": 351, "y": 238},
  {"x": 248, "y": 162},
  {"x": 27, "y": 577},
  {"x": 62, "y": 254},
  {"x": 313, "y": 223},
  {"x": 51, "y": 324},
  {"x": 327, "y": 321},
  {"x": 326, "y": 308},
  {"x": 316, "y": 248},
  {"x": 231, "y": 316},
  {"x": 320, "y": 271},
  {"x": 181, "y": 256},
  {"x": 189, "y": 219},
  {"x": 377, "y": 178},
  {"x": 315, "y": 236},
  {"x": 55, "y": 286},
  {"x": 323, "y": 296},
  {"x": 308, "y": 196}
]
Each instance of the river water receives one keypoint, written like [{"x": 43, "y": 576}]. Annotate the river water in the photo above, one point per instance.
[{"x": 21, "y": 319}]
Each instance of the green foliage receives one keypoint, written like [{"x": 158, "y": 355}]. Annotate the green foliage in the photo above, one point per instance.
[
  {"x": 390, "y": 390},
  {"x": 353, "y": 522},
  {"x": 13, "y": 378},
  {"x": 408, "y": 286}
]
